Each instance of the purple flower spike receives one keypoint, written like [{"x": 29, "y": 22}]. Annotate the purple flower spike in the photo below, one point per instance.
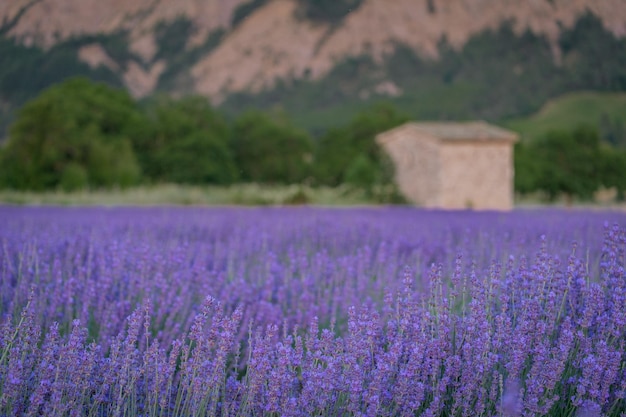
[{"x": 387, "y": 312}]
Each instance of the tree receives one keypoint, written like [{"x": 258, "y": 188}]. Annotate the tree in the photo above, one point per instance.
[
  {"x": 574, "y": 163},
  {"x": 527, "y": 168},
  {"x": 270, "y": 151},
  {"x": 361, "y": 172},
  {"x": 345, "y": 151},
  {"x": 76, "y": 129},
  {"x": 593, "y": 57},
  {"x": 613, "y": 169},
  {"x": 187, "y": 142}
]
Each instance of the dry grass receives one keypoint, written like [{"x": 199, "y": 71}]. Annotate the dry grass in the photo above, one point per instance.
[{"x": 172, "y": 194}]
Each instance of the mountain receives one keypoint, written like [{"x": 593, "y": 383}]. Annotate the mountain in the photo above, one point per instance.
[{"x": 318, "y": 58}]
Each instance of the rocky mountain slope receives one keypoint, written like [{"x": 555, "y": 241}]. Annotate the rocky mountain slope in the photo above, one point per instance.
[
  {"x": 271, "y": 40},
  {"x": 273, "y": 44}
]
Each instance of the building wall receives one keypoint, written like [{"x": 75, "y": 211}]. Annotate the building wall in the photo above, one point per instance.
[
  {"x": 416, "y": 161},
  {"x": 476, "y": 174}
]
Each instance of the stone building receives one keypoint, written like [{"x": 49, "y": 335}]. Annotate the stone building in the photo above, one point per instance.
[{"x": 452, "y": 165}]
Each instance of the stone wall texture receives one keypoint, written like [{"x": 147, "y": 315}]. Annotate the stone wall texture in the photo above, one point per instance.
[
  {"x": 435, "y": 172},
  {"x": 416, "y": 164},
  {"x": 476, "y": 175}
]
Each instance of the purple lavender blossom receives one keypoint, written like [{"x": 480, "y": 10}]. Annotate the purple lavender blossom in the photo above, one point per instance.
[{"x": 360, "y": 312}]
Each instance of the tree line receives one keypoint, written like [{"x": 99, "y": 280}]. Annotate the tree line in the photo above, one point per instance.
[
  {"x": 83, "y": 134},
  {"x": 572, "y": 163}
]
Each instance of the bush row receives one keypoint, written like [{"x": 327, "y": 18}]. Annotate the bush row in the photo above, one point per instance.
[{"x": 80, "y": 134}]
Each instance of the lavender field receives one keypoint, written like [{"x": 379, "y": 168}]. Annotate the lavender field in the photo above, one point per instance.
[{"x": 310, "y": 311}]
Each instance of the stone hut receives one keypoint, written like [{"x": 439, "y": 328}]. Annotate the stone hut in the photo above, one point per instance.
[{"x": 453, "y": 165}]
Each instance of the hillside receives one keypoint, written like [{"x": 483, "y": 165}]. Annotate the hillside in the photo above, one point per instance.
[
  {"x": 605, "y": 110},
  {"x": 315, "y": 58}
]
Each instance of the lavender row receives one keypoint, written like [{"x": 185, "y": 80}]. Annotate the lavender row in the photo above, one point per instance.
[{"x": 311, "y": 312}]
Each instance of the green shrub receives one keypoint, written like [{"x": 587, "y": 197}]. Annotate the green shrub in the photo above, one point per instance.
[
  {"x": 340, "y": 149},
  {"x": 186, "y": 142},
  {"x": 270, "y": 151},
  {"x": 75, "y": 123},
  {"x": 74, "y": 177},
  {"x": 112, "y": 164},
  {"x": 361, "y": 172},
  {"x": 573, "y": 163}
]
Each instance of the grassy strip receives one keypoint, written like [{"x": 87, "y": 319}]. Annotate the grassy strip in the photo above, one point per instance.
[
  {"x": 253, "y": 195},
  {"x": 240, "y": 194}
]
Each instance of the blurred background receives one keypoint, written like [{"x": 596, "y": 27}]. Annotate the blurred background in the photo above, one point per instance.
[{"x": 279, "y": 101}]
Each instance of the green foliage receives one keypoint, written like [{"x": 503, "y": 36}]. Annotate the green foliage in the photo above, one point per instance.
[
  {"x": 187, "y": 142},
  {"x": 505, "y": 68},
  {"x": 574, "y": 163},
  {"x": 497, "y": 74},
  {"x": 613, "y": 129},
  {"x": 605, "y": 113},
  {"x": 74, "y": 177},
  {"x": 526, "y": 168},
  {"x": 614, "y": 170},
  {"x": 30, "y": 70},
  {"x": 76, "y": 124},
  {"x": 270, "y": 151},
  {"x": 593, "y": 57},
  {"x": 81, "y": 134},
  {"x": 197, "y": 158},
  {"x": 361, "y": 172},
  {"x": 112, "y": 162},
  {"x": 349, "y": 152},
  {"x": 493, "y": 76}
]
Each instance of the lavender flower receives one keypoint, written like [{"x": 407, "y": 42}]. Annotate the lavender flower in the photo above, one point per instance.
[{"x": 386, "y": 312}]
